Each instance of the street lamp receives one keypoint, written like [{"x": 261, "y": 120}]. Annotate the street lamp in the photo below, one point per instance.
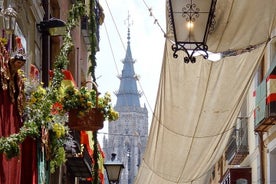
[
  {"x": 9, "y": 19},
  {"x": 191, "y": 22},
  {"x": 48, "y": 28},
  {"x": 52, "y": 27},
  {"x": 113, "y": 169}
]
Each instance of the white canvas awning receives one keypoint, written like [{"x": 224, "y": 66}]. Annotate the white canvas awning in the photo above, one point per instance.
[{"x": 197, "y": 104}]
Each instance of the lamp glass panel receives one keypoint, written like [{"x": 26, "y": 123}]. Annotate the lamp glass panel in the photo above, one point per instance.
[
  {"x": 57, "y": 31},
  {"x": 113, "y": 172},
  {"x": 181, "y": 30},
  {"x": 190, "y": 19},
  {"x": 7, "y": 23},
  {"x": 203, "y": 5},
  {"x": 199, "y": 27},
  {"x": 13, "y": 22}
]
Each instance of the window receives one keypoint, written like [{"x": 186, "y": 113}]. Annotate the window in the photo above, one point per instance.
[{"x": 241, "y": 181}]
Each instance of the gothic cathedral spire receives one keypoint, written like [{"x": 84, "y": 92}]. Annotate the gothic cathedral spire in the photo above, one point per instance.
[
  {"x": 127, "y": 137},
  {"x": 128, "y": 94}
]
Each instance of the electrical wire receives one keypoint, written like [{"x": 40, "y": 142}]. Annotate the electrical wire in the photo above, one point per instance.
[
  {"x": 112, "y": 52},
  {"x": 115, "y": 26},
  {"x": 120, "y": 37},
  {"x": 155, "y": 19},
  {"x": 124, "y": 135}
]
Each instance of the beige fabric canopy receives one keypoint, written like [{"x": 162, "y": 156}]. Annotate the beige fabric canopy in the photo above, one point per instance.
[{"x": 197, "y": 104}]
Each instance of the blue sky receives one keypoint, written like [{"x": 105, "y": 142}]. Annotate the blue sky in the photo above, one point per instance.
[{"x": 147, "y": 44}]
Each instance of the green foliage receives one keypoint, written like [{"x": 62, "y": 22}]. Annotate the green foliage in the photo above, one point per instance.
[
  {"x": 81, "y": 99},
  {"x": 42, "y": 110},
  {"x": 84, "y": 99},
  {"x": 39, "y": 104},
  {"x": 93, "y": 40}
]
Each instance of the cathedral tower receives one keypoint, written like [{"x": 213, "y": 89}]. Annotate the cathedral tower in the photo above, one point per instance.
[{"x": 127, "y": 137}]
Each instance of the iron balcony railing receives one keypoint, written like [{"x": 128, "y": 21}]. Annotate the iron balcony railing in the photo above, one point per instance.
[
  {"x": 237, "y": 148},
  {"x": 79, "y": 162}
]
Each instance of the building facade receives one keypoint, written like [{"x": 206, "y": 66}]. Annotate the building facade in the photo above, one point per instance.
[
  {"x": 250, "y": 156},
  {"x": 127, "y": 137},
  {"x": 41, "y": 50}
]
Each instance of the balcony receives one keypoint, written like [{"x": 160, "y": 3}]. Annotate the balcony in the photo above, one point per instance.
[
  {"x": 236, "y": 175},
  {"x": 237, "y": 148},
  {"x": 86, "y": 28},
  {"x": 79, "y": 163},
  {"x": 265, "y": 111}
]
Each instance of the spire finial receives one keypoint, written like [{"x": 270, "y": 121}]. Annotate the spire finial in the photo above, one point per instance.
[{"x": 129, "y": 23}]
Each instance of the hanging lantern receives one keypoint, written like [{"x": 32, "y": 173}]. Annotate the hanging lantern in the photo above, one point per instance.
[
  {"x": 9, "y": 19},
  {"x": 52, "y": 27},
  {"x": 191, "y": 21},
  {"x": 113, "y": 169}
]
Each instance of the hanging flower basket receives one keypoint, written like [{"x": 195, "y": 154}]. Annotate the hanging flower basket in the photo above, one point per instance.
[
  {"x": 87, "y": 110},
  {"x": 92, "y": 120},
  {"x": 89, "y": 120}
]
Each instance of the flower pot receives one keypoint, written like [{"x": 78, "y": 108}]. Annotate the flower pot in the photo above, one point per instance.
[{"x": 90, "y": 121}]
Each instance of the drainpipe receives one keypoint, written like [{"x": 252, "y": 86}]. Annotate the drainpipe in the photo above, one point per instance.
[{"x": 262, "y": 166}]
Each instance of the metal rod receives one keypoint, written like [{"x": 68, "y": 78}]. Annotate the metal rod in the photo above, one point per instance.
[{"x": 45, "y": 47}]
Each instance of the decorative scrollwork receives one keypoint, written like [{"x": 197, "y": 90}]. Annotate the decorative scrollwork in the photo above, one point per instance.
[
  {"x": 190, "y": 12},
  {"x": 203, "y": 48}
]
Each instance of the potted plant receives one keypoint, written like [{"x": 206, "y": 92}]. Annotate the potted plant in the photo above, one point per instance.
[{"x": 87, "y": 109}]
